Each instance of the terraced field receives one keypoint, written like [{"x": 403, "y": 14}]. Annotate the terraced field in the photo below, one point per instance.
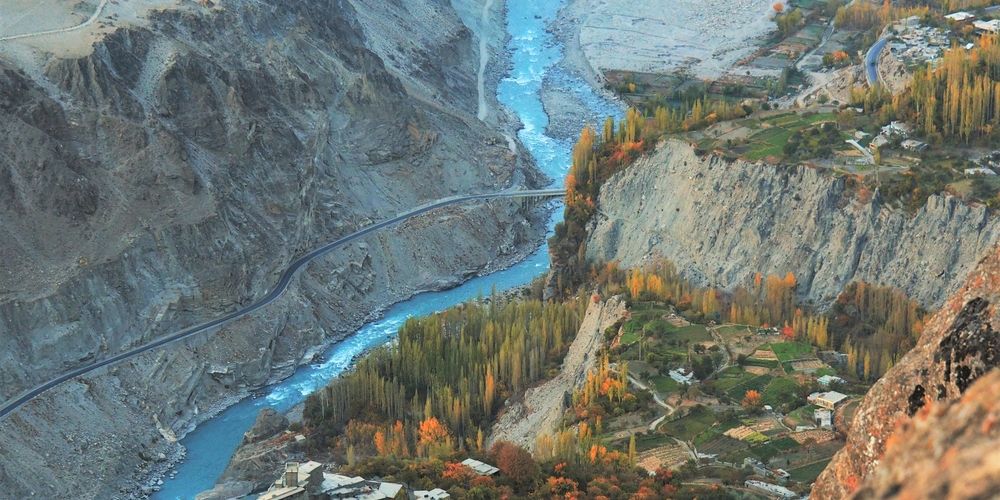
[
  {"x": 663, "y": 456},
  {"x": 757, "y": 383}
]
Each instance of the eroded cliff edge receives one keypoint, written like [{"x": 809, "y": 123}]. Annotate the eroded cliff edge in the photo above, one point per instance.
[
  {"x": 170, "y": 174},
  {"x": 721, "y": 222}
]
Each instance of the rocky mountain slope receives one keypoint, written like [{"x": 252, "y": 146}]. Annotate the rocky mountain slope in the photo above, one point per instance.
[
  {"x": 167, "y": 175},
  {"x": 723, "y": 222},
  {"x": 927, "y": 429}
]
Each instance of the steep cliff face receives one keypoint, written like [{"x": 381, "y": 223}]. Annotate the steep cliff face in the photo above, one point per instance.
[
  {"x": 938, "y": 402},
  {"x": 168, "y": 175},
  {"x": 723, "y": 222}
]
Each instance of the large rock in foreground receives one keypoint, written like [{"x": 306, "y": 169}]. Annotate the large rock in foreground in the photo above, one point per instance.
[
  {"x": 958, "y": 347},
  {"x": 946, "y": 451}
]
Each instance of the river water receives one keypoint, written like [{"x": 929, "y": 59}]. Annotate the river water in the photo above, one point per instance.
[{"x": 534, "y": 52}]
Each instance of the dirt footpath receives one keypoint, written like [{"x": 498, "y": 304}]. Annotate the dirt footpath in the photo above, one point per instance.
[{"x": 542, "y": 408}]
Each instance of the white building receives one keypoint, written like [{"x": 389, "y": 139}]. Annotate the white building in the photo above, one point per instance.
[
  {"x": 823, "y": 417},
  {"x": 782, "y": 476},
  {"x": 960, "y": 16},
  {"x": 682, "y": 376},
  {"x": 483, "y": 469},
  {"x": 770, "y": 489},
  {"x": 979, "y": 171},
  {"x": 898, "y": 128},
  {"x": 435, "y": 494},
  {"x": 826, "y": 380},
  {"x": 831, "y": 399},
  {"x": 991, "y": 26}
]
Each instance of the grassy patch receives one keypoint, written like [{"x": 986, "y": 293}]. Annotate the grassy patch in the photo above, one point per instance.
[
  {"x": 785, "y": 444},
  {"x": 737, "y": 457},
  {"x": 826, "y": 370},
  {"x": 820, "y": 117},
  {"x": 766, "y": 363},
  {"x": 757, "y": 154},
  {"x": 692, "y": 334},
  {"x": 777, "y": 388},
  {"x": 804, "y": 415},
  {"x": 757, "y": 383},
  {"x": 808, "y": 473},
  {"x": 665, "y": 384},
  {"x": 650, "y": 441},
  {"x": 698, "y": 421},
  {"x": 705, "y": 436},
  {"x": 787, "y": 351},
  {"x": 727, "y": 380},
  {"x": 629, "y": 338},
  {"x": 764, "y": 452}
]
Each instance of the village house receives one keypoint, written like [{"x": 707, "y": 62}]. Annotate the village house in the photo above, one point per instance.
[
  {"x": 826, "y": 380},
  {"x": 960, "y": 16},
  {"x": 896, "y": 128},
  {"x": 782, "y": 476},
  {"x": 435, "y": 494},
  {"x": 481, "y": 468},
  {"x": 878, "y": 142},
  {"x": 682, "y": 376},
  {"x": 831, "y": 399},
  {"x": 823, "y": 417},
  {"x": 299, "y": 482},
  {"x": 991, "y": 26},
  {"x": 914, "y": 145},
  {"x": 770, "y": 489}
]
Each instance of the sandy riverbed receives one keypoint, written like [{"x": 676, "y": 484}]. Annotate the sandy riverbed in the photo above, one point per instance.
[{"x": 704, "y": 37}]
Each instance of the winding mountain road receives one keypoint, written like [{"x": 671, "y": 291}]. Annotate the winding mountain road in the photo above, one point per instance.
[
  {"x": 286, "y": 277},
  {"x": 871, "y": 60},
  {"x": 88, "y": 22}
]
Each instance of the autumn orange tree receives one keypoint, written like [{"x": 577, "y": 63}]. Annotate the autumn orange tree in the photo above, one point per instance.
[
  {"x": 433, "y": 439},
  {"x": 515, "y": 462},
  {"x": 752, "y": 401}
]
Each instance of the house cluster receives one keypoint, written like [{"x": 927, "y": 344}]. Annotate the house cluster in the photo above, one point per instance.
[
  {"x": 308, "y": 481},
  {"x": 981, "y": 25},
  {"x": 987, "y": 165},
  {"x": 764, "y": 471},
  {"x": 770, "y": 489},
  {"x": 900, "y": 130},
  {"x": 916, "y": 44},
  {"x": 827, "y": 380}
]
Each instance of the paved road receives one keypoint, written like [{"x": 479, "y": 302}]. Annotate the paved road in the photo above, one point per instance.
[
  {"x": 871, "y": 60},
  {"x": 279, "y": 288},
  {"x": 88, "y": 22}
]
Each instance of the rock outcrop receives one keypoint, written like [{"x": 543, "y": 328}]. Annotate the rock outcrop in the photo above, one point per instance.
[
  {"x": 168, "y": 175},
  {"x": 959, "y": 346},
  {"x": 946, "y": 451},
  {"x": 269, "y": 422},
  {"x": 723, "y": 222}
]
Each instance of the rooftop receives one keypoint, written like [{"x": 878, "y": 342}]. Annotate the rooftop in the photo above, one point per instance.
[
  {"x": 481, "y": 468},
  {"x": 435, "y": 494},
  {"x": 832, "y": 397},
  {"x": 282, "y": 493}
]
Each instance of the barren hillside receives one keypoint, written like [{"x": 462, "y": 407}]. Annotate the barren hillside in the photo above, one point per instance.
[{"x": 168, "y": 166}]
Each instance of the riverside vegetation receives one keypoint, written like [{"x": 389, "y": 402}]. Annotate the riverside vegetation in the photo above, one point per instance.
[{"x": 411, "y": 410}]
